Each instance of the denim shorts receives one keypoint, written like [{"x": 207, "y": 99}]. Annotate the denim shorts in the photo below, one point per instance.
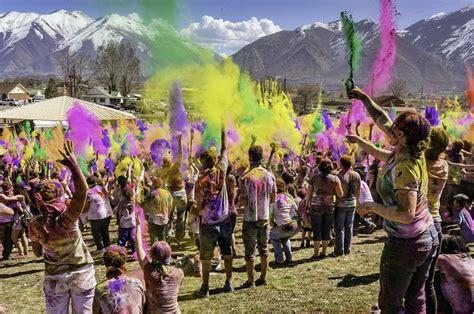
[{"x": 210, "y": 235}]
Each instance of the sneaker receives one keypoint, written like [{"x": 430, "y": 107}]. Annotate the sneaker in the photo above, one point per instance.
[
  {"x": 228, "y": 287},
  {"x": 371, "y": 228},
  {"x": 248, "y": 284},
  {"x": 260, "y": 282},
  {"x": 203, "y": 292}
]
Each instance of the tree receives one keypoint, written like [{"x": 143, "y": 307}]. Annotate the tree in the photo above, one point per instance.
[
  {"x": 306, "y": 95},
  {"x": 398, "y": 88},
  {"x": 117, "y": 67},
  {"x": 77, "y": 72},
  {"x": 51, "y": 90}
]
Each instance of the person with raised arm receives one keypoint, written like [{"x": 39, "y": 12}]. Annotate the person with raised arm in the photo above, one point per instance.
[
  {"x": 55, "y": 235},
  {"x": 216, "y": 225},
  {"x": 162, "y": 280},
  {"x": 403, "y": 186}
]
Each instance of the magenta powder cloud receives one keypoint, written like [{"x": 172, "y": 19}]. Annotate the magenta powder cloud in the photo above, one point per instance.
[
  {"x": 380, "y": 77},
  {"x": 85, "y": 130},
  {"x": 381, "y": 72}
]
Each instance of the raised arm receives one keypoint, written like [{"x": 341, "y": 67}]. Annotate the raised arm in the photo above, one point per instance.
[
  {"x": 380, "y": 154},
  {"x": 272, "y": 152},
  {"x": 380, "y": 117},
  {"x": 179, "y": 161},
  {"x": 79, "y": 198},
  {"x": 223, "y": 142},
  {"x": 141, "y": 255},
  {"x": 461, "y": 166}
]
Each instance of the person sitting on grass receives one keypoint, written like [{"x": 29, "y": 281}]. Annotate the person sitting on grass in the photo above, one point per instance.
[
  {"x": 162, "y": 281},
  {"x": 454, "y": 280},
  {"x": 283, "y": 215},
  {"x": 119, "y": 293}
]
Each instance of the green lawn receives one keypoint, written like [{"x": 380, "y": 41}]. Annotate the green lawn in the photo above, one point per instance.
[{"x": 343, "y": 284}]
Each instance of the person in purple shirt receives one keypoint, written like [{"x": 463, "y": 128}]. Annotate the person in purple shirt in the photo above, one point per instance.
[{"x": 216, "y": 225}]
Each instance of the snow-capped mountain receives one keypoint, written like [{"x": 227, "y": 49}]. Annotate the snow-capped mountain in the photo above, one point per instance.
[
  {"x": 429, "y": 53},
  {"x": 447, "y": 36}
]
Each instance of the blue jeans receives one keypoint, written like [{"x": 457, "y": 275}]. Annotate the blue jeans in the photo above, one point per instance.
[
  {"x": 404, "y": 268},
  {"x": 126, "y": 235},
  {"x": 280, "y": 236},
  {"x": 344, "y": 222}
]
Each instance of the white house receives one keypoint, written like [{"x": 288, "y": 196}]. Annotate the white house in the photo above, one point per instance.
[{"x": 102, "y": 97}]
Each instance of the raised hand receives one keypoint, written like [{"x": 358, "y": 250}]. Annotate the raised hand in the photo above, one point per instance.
[{"x": 69, "y": 158}]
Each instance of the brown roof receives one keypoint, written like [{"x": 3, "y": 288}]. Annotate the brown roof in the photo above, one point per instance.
[
  {"x": 5, "y": 88},
  {"x": 55, "y": 109}
]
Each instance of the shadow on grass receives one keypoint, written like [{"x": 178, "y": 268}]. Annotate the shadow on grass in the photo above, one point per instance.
[
  {"x": 18, "y": 274},
  {"x": 372, "y": 240},
  {"x": 9, "y": 265},
  {"x": 350, "y": 280}
]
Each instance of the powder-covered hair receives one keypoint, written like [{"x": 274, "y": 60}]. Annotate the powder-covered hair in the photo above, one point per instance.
[
  {"x": 160, "y": 253},
  {"x": 416, "y": 130},
  {"x": 439, "y": 141},
  {"x": 115, "y": 258}
]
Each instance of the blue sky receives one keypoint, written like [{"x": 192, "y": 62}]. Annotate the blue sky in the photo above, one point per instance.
[{"x": 288, "y": 14}]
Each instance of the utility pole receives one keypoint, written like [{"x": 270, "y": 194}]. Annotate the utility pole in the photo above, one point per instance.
[{"x": 421, "y": 95}]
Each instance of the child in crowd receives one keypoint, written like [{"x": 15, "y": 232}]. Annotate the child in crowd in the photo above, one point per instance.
[{"x": 126, "y": 218}]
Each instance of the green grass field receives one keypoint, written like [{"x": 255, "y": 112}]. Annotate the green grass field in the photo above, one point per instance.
[{"x": 342, "y": 284}]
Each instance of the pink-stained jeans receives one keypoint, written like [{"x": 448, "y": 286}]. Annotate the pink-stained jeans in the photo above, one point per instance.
[{"x": 75, "y": 287}]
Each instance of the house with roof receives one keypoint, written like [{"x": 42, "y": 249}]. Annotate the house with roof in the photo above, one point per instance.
[
  {"x": 100, "y": 96},
  {"x": 13, "y": 91}
]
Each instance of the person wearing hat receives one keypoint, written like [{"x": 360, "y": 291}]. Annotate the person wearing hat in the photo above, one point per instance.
[
  {"x": 463, "y": 217},
  {"x": 119, "y": 293}
]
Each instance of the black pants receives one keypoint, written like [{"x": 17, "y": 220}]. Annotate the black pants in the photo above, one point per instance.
[
  {"x": 6, "y": 236},
  {"x": 100, "y": 232}
]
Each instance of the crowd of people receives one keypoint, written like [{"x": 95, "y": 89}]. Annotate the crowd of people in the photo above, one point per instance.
[{"x": 412, "y": 187}]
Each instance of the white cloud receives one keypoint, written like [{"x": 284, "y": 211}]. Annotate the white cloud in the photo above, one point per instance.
[{"x": 226, "y": 37}]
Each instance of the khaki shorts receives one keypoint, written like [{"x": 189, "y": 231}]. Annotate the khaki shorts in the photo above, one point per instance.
[{"x": 255, "y": 234}]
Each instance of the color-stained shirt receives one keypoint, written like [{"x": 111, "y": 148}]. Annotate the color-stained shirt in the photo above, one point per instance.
[
  {"x": 466, "y": 225},
  {"x": 64, "y": 248},
  {"x": 160, "y": 206},
  {"x": 437, "y": 178},
  {"x": 99, "y": 201},
  {"x": 455, "y": 173},
  {"x": 457, "y": 281},
  {"x": 162, "y": 295},
  {"x": 350, "y": 182},
  {"x": 365, "y": 195},
  {"x": 126, "y": 215},
  {"x": 231, "y": 183},
  {"x": 406, "y": 173},
  {"x": 284, "y": 209},
  {"x": 6, "y": 218},
  {"x": 324, "y": 193},
  {"x": 119, "y": 295},
  {"x": 257, "y": 191},
  {"x": 211, "y": 190},
  {"x": 173, "y": 177}
]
